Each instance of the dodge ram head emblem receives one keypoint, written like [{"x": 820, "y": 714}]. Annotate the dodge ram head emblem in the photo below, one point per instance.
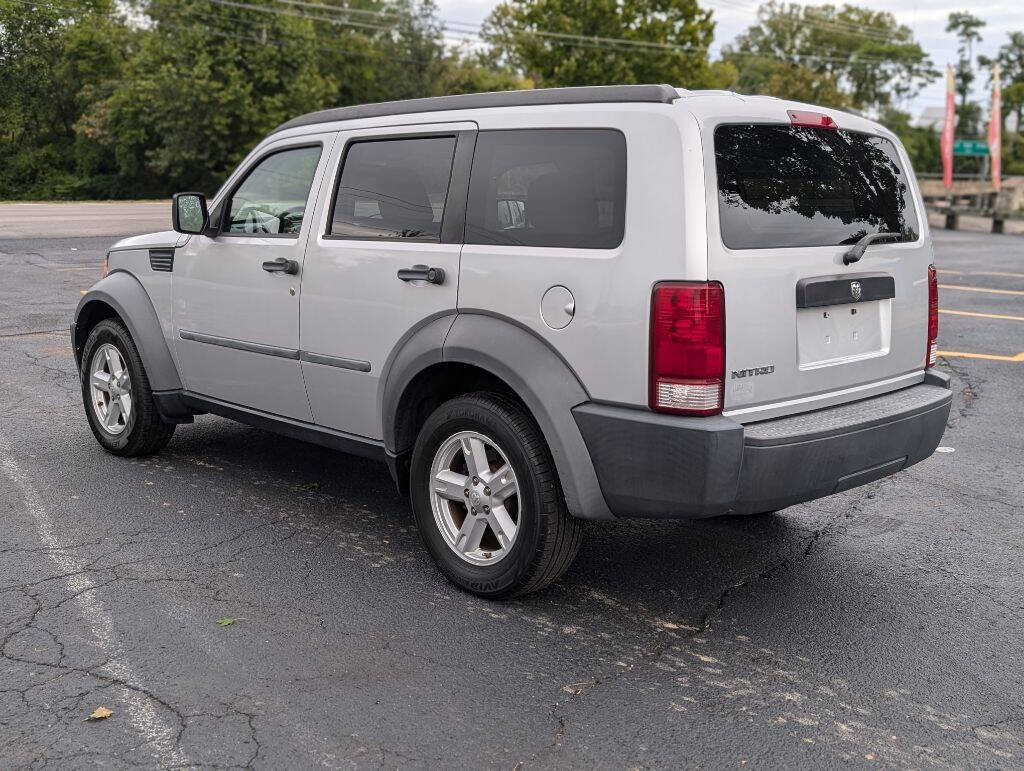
[{"x": 855, "y": 290}]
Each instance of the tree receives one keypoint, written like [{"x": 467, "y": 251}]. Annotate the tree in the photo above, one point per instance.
[
  {"x": 1010, "y": 59},
  {"x": 244, "y": 68},
  {"x": 921, "y": 143},
  {"x": 207, "y": 83},
  {"x": 1013, "y": 103},
  {"x": 965, "y": 26},
  {"x": 461, "y": 72},
  {"x": 839, "y": 56},
  {"x": 131, "y": 98},
  {"x": 778, "y": 77},
  {"x": 396, "y": 50},
  {"x": 568, "y": 43},
  {"x": 54, "y": 61}
]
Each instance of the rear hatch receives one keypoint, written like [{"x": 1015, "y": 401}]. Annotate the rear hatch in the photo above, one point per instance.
[{"x": 788, "y": 194}]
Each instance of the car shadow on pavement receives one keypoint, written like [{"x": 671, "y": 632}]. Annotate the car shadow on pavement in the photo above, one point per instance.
[{"x": 684, "y": 564}]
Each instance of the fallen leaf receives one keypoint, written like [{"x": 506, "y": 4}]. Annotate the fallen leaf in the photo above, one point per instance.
[
  {"x": 226, "y": 621},
  {"x": 100, "y": 713}
]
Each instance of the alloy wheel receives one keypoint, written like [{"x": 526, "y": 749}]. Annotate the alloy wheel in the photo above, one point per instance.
[
  {"x": 110, "y": 389},
  {"x": 475, "y": 498}
]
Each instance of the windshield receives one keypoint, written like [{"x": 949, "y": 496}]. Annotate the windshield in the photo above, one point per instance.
[{"x": 784, "y": 186}]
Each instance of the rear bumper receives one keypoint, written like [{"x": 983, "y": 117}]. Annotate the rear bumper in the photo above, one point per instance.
[{"x": 653, "y": 465}]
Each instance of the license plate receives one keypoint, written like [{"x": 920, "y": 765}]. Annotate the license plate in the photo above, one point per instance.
[{"x": 838, "y": 334}]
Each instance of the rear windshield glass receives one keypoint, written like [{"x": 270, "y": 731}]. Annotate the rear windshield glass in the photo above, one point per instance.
[{"x": 782, "y": 186}]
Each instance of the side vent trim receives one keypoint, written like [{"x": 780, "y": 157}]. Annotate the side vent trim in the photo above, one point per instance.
[{"x": 161, "y": 260}]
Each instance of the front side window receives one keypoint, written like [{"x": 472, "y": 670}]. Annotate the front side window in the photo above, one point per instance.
[
  {"x": 788, "y": 186},
  {"x": 272, "y": 199},
  {"x": 548, "y": 187},
  {"x": 394, "y": 189}
]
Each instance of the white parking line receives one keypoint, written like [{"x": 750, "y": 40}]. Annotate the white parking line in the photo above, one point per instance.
[{"x": 147, "y": 721}]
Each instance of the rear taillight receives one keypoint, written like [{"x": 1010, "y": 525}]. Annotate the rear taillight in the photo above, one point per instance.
[
  {"x": 106, "y": 266},
  {"x": 688, "y": 348},
  {"x": 933, "y": 317}
]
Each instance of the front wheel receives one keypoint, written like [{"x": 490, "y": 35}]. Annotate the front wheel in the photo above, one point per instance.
[
  {"x": 118, "y": 400},
  {"x": 487, "y": 501}
]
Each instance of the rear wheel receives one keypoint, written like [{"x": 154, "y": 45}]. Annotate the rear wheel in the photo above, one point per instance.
[
  {"x": 486, "y": 498},
  {"x": 118, "y": 400}
]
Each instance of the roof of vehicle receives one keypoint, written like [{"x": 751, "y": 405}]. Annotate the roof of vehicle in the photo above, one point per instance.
[
  {"x": 539, "y": 96},
  {"x": 716, "y": 105}
]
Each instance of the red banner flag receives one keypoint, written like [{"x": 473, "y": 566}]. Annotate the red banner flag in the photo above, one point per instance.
[
  {"x": 995, "y": 130},
  {"x": 948, "y": 127}
]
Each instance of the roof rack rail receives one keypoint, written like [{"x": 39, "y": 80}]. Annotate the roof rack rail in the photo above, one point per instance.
[{"x": 540, "y": 96}]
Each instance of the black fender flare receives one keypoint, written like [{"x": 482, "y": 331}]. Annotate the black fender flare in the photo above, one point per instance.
[
  {"x": 419, "y": 349},
  {"x": 122, "y": 292},
  {"x": 542, "y": 380}
]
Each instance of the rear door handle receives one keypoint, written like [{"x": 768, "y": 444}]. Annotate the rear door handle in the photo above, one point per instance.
[
  {"x": 422, "y": 273},
  {"x": 281, "y": 265}
]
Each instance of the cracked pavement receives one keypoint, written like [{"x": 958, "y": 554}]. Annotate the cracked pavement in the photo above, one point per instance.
[{"x": 878, "y": 626}]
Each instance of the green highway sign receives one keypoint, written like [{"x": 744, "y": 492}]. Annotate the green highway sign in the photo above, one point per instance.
[{"x": 970, "y": 147}]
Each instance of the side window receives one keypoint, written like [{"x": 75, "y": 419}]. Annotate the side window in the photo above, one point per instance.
[
  {"x": 394, "y": 189},
  {"x": 548, "y": 187},
  {"x": 272, "y": 198}
]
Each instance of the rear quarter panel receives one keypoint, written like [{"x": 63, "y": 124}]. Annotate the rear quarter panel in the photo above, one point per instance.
[{"x": 606, "y": 343}]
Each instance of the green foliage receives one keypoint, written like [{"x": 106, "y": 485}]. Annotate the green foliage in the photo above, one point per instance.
[
  {"x": 840, "y": 56},
  {"x": 472, "y": 73},
  {"x": 569, "y": 43},
  {"x": 1010, "y": 59},
  {"x": 966, "y": 27},
  {"x": 767, "y": 75},
  {"x": 138, "y": 98},
  {"x": 922, "y": 144},
  {"x": 1013, "y": 154},
  {"x": 53, "y": 63},
  {"x": 196, "y": 97},
  {"x": 97, "y": 104},
  {"x": 1013, "y": 103}
]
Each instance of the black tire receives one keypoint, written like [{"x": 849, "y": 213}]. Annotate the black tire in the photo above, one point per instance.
[
  {"x": 547, "y": 538},
  {"x": 144, "y": 433}
]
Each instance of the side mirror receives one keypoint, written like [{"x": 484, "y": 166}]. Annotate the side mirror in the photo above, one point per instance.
[{"x": 189, "y": 214}]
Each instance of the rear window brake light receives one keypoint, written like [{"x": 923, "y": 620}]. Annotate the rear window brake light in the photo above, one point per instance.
[{"x": 811, "y": 119}]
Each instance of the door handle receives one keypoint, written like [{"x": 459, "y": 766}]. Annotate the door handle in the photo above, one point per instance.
[
  {"x": 281, "y": 265},
  {"x": 422, "y": 273}
]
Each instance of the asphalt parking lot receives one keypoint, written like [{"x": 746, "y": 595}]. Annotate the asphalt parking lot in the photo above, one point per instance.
[{"x": 246, "y": 600}]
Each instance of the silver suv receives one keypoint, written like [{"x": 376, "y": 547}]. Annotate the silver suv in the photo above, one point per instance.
[{"x": 541, "y": 307}]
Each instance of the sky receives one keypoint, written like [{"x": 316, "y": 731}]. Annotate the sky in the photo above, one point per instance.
[{"x": 926, "y": 19}]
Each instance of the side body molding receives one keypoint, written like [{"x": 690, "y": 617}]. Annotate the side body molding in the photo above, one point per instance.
[
  {"x": 123, "y": 292},
  {"x": 549, "y": 389}
]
